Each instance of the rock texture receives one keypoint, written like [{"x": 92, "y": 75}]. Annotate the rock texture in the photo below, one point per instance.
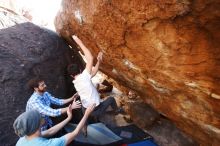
[
  {"x": 27, "y": 50},
  {"x": 168, "y": 51},
  {"x": 164, "y": 132}
]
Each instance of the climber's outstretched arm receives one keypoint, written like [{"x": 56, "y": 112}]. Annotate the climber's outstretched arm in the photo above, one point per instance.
[
  {"x": 96, "y": 68},
  {"x": 87, "y": 53}
]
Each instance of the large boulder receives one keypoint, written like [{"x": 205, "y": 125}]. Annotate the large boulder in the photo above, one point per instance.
[
  {"x": 168, "y": 51},
  {"x": 26, "y": 50}
]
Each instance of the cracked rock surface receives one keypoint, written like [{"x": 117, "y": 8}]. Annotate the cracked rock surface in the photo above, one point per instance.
[{"x": 167, "y": 51}]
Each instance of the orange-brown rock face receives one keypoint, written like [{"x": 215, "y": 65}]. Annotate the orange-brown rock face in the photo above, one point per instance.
[{"x": 167, "y": 50}]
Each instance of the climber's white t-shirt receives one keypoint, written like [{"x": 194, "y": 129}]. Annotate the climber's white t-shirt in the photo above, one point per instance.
[{"x": 86, "y": 90}]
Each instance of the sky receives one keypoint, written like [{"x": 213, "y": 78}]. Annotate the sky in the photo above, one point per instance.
[{"x": 43, "y": 12}]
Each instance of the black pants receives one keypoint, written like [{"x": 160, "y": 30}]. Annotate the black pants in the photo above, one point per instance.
[{"x": 102, "y": 107}]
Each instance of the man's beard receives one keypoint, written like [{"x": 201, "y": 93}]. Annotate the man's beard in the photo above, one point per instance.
[{"x": 42, "y": 91}]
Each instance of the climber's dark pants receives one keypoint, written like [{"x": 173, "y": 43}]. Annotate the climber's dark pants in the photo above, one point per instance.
[{"x": 101, "y": 109}]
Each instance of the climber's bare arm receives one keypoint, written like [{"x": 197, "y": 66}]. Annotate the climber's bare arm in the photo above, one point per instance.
[{"x": 87, "y": 53}]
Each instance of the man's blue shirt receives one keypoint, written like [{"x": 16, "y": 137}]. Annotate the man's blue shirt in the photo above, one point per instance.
[
  {"x": 39, "y": 141},
  {"x": 42, "y": 104}
]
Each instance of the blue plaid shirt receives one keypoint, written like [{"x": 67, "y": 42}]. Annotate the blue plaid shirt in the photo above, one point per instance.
[{"x": 42, "y": 104}]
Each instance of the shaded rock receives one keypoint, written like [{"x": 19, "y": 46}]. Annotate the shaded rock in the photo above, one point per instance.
[
  {"x": 167, "y": 51},
  {"x": 27, "y": 50},
  {"x": 113, "y": 120},
  {"x": 142, "y": 114},
  {"x": 165, "y": 133}
]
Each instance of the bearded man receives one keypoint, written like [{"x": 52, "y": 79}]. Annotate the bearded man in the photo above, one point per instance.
[{"x": 41, "y": 101}]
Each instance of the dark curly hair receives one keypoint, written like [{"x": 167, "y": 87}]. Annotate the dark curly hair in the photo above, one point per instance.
[
  {"x": 73, "y": 69},
  {"x": 34, "y": 82}
]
